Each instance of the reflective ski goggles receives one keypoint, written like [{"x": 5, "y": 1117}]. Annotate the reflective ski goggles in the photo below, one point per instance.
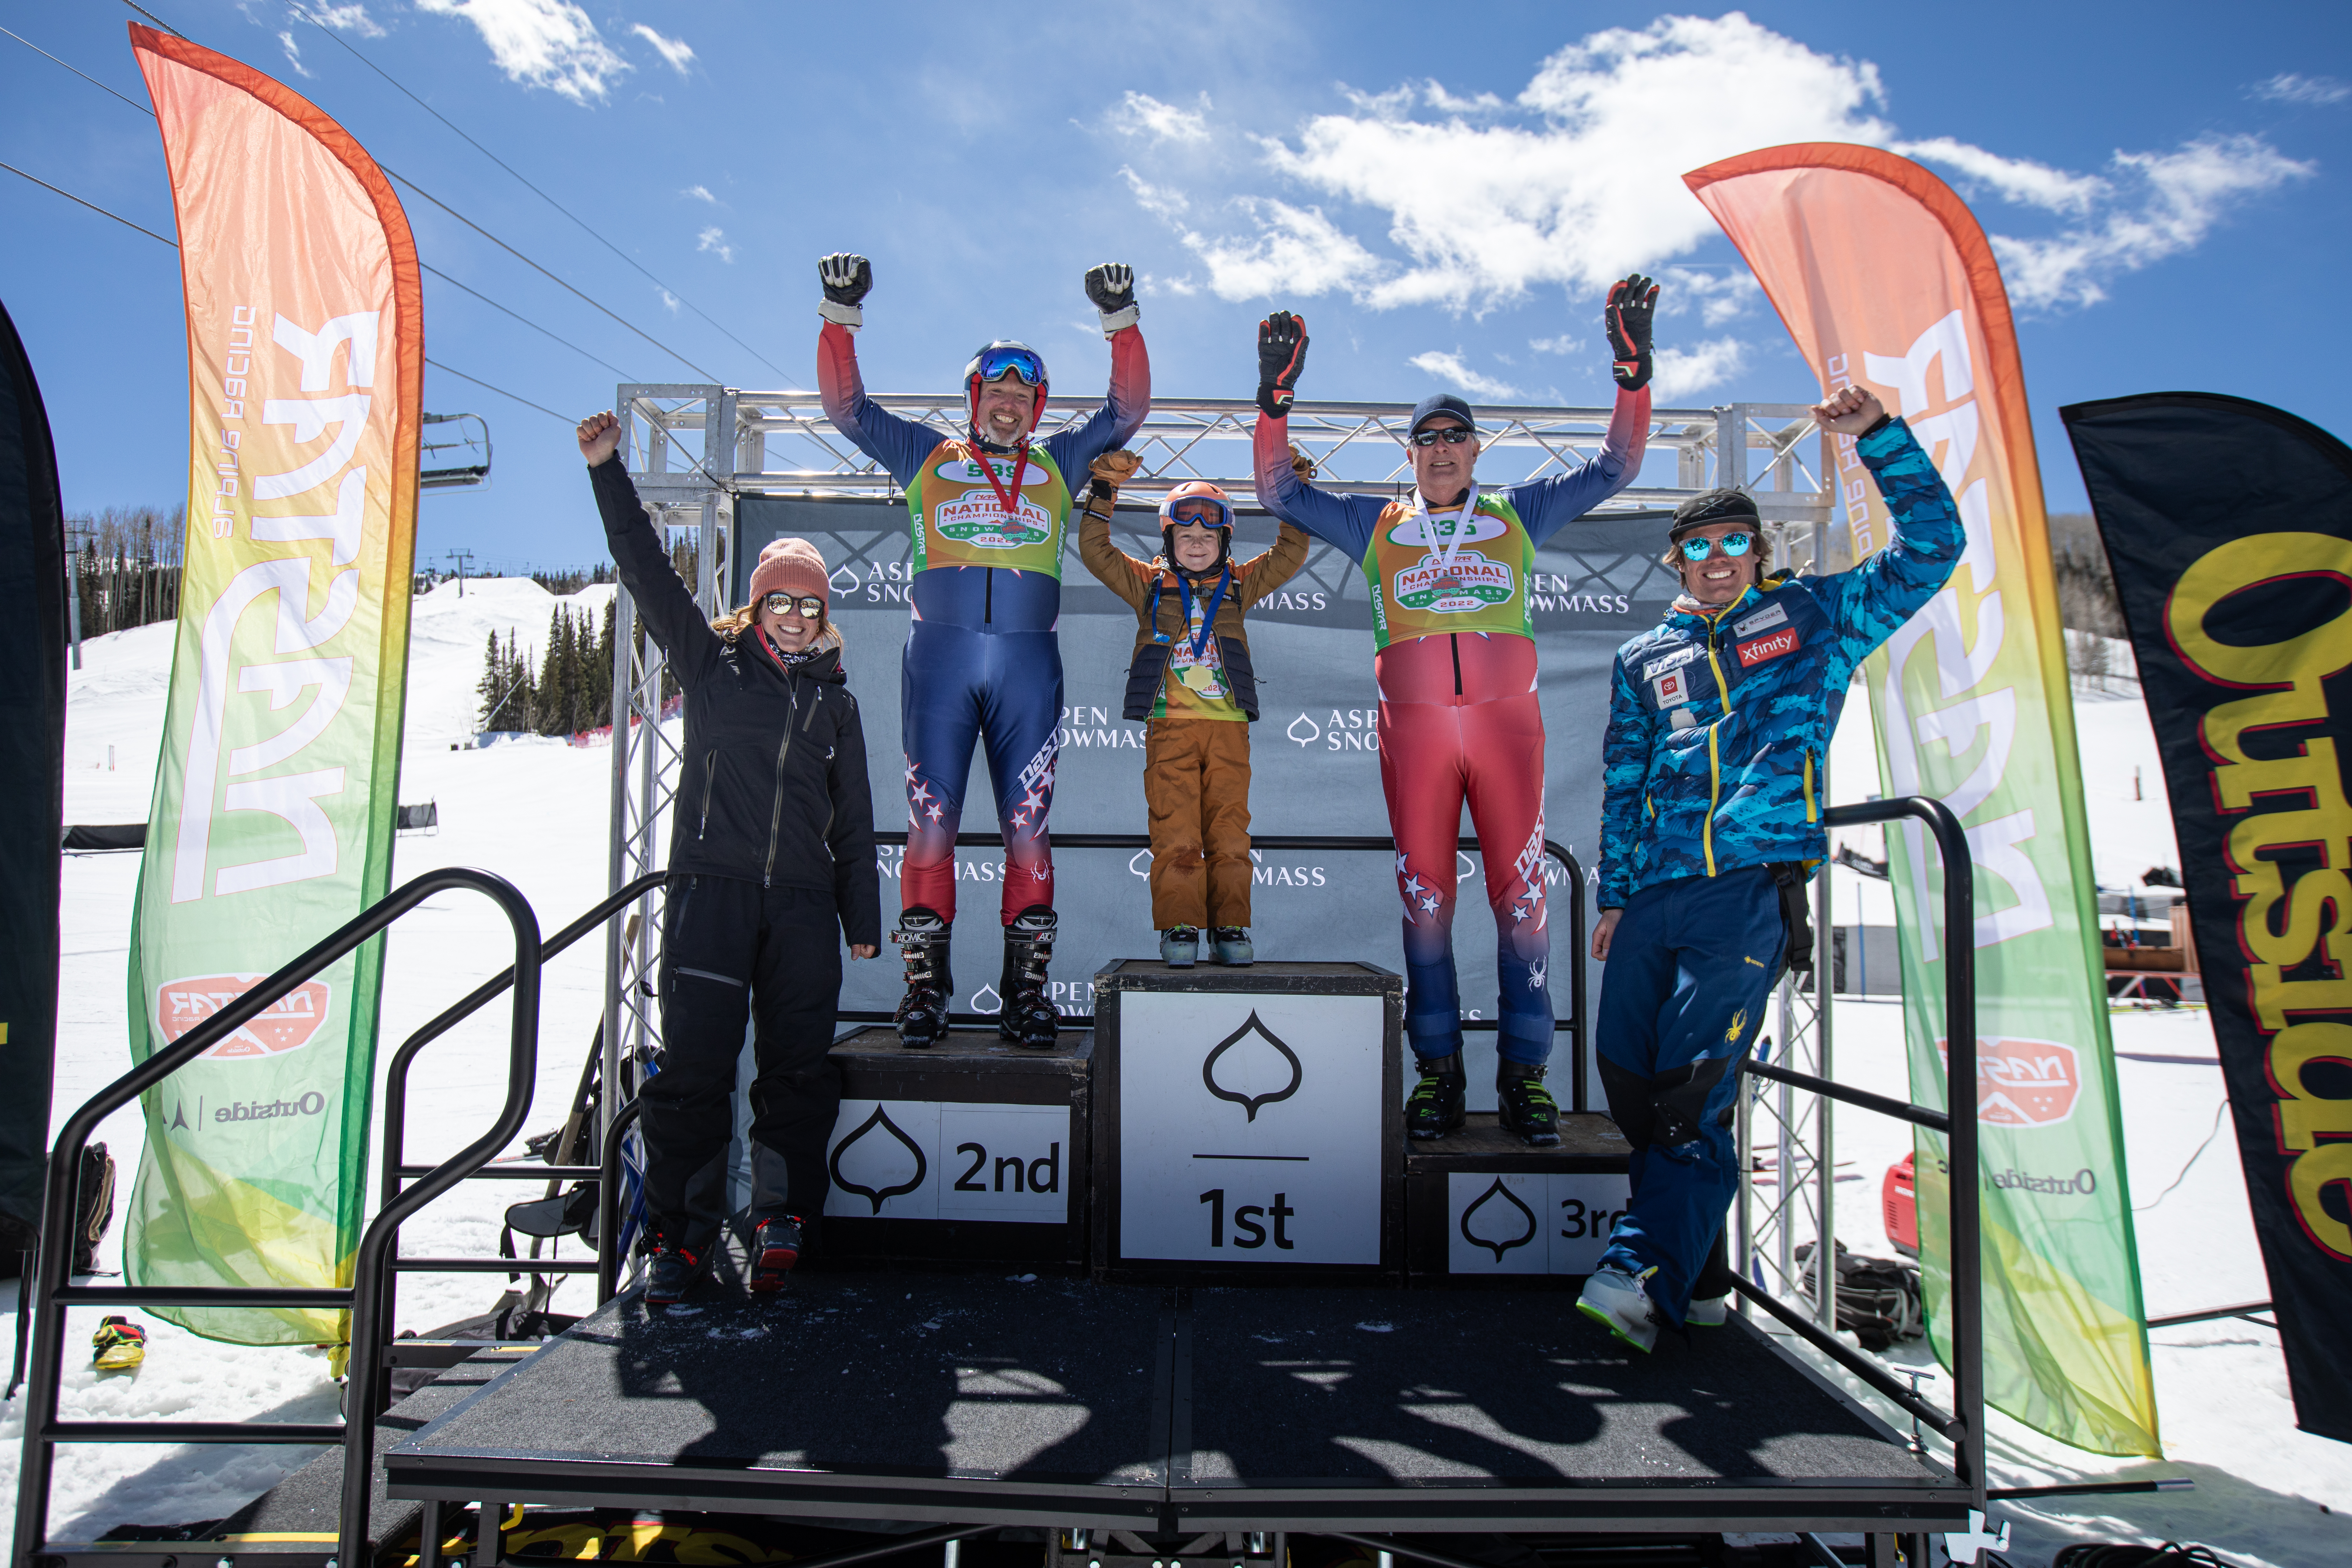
[
  {"x": 1731, "y": 544},
  {"x": 994, "y": 364},
  {"x": 810, "y": 607},
  {"x": 1452, "y": 434},
  {"x": 1205, "y": 512}
]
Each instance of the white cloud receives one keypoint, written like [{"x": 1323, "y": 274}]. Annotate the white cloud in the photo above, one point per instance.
[
  {"x": 293, "y": 53},
  {"x": 699, "y": 194},
  {"x": 1139, "y": 115},
  {"x": 1295, "y": 251},
  {"x": 669, "y": 300},
  {"x": 714, "y": 239},
  {"x": 1476, "y": 202},
  {"x": 1679, "y": 373},
  {"x": 2016, "y": 179},
  {"x": 1160, "y": 200},
  {"x": 1449, "y": 368},
  {"x": 1154, "y": 283},
  {"x": 2289, "y": 88},
  {"x": 677, "y": 51},
  {"x": 540, "y": 43},
  {"x": 351, "y": 18},
  {"x": 1721, "y": 295},
  {"x": 2182, "y": 195}
]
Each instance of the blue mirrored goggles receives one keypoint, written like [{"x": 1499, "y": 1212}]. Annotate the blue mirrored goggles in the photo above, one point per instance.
[
  {"x": 1731, "y": 544},
  {"x": 1190, "y": 508},
  {"x": 997, "y": 364}
]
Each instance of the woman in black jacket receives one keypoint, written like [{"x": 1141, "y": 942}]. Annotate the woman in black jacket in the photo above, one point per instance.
[{"x": 771, "y": 852}]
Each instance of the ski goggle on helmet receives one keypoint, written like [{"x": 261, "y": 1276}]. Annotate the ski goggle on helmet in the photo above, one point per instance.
[
  {"x": 1191, "y": 499},
  {"x": 994, "y": 362}
]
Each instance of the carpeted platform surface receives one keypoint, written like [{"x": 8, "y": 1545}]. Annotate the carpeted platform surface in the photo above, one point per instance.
[
  {"x": 1341, "y": 1387},
  {"x": 909, "y": 1375}
]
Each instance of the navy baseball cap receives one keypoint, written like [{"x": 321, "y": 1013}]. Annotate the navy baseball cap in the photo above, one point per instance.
[{"x": 1438, "y": 402}]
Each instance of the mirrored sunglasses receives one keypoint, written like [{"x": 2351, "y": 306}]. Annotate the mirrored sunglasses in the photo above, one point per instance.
[
  {"x": 1732, "y": 544},
  {"x": 997, "y": 364},
  {"x": 811, "y": 608},
  {"x": 1452, "y": 434}
]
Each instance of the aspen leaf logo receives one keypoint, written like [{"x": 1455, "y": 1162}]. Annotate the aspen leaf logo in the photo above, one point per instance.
[
  {"x": 1251, "y": 1066},
  {"x": 1495, "y": 1211},
  {"x": 878, "y": 1160}
]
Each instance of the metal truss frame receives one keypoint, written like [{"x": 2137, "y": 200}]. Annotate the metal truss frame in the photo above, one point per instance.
[{"x": 692, "y": 449}]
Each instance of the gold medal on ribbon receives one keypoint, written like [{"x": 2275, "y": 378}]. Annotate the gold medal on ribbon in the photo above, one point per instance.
[{"x": 1201, "y": 678}]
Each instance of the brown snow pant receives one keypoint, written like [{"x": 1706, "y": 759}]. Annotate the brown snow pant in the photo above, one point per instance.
[{"x": 1196, "y": 780}]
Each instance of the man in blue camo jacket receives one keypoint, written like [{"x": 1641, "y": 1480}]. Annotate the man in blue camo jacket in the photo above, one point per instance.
[{"x": 1720, "y": 718}]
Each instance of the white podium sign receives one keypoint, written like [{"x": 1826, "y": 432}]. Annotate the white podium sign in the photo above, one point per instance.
[
  {"x": 919, "y": 1159},
  {"x": 1250, "y": 1128},
  {"x": 1535, "y": 1223}
]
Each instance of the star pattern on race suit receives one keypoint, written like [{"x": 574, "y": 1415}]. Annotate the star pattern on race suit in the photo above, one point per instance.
[
  {"x": 1521, "y": 911},
  {"x": 935, "y": 811},
  {"x": 1429, "y": 905}
]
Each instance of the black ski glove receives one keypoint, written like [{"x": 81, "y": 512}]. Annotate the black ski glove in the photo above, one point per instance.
[
  {"x": 1632, "y": 305},
  {"x": 846, "y": 280},
  {"x": 1281, "y": 355},
  {"x": 1111, "y": 287}
]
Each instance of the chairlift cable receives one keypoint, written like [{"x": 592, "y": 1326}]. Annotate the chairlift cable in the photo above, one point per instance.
[{"x": 542, "y": 196}]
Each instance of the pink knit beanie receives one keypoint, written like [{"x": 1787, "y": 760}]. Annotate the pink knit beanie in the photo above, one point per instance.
[{"x": 791, "y": 566}]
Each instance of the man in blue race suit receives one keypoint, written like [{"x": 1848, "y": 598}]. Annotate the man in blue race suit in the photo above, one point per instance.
[
  {"x": 1720, "y": 718},
  {"x": 987, "y": 513}
]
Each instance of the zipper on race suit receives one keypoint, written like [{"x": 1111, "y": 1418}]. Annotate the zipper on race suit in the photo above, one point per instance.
[
  {"x": 988, "y": 596},
  {"x": 709, "y": 774},
  {"x": 776, "y": 815},
  {"x": 1714, "y": 763},
  {"x": 1455, "y": 640},
  {"x": 1811, "y": 813}
]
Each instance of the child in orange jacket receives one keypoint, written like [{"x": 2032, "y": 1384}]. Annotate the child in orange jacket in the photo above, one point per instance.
[{"x": 1192, "y": 684}]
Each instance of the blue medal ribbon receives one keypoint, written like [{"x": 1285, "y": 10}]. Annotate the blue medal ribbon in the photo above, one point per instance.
[{"x": 1209, "y": 618}]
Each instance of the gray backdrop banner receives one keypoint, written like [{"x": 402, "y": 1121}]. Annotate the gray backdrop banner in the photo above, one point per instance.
[{"x": 1314, "y": 752}]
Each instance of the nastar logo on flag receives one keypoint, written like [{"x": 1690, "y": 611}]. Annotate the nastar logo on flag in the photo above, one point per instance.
[
  {"x": 285, "y": 1024},
  {"x": 2024, "y": 1083}
]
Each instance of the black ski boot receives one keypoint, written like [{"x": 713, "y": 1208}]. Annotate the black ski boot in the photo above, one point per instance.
[
  {"x": 1028, "y": 1018},
  {"x": 675, "y": 1272},
  {"x": 775, "y": 1248},
  {"x": 922, "y": 939},
  {"x": 1434, "y": 1107},
  {"x": 1524, "y": 1105}
]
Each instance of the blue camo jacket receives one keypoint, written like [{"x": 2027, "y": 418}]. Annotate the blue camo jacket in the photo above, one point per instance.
[{"x": 1718, "y": 721}]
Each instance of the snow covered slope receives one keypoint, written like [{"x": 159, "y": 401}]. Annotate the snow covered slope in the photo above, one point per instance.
[{"x": 535, "y": 812}]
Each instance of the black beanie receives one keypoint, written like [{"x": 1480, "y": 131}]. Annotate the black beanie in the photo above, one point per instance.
[{"x": 1714, "y": 506}]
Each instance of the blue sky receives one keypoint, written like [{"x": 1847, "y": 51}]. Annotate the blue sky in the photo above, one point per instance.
[{"x": 1443, "y": 192}]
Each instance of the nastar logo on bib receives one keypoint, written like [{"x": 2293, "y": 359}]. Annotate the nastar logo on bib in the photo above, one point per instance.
[
  {"x": 1470, "y": 582},
  {"x": 980, "y": 520}
]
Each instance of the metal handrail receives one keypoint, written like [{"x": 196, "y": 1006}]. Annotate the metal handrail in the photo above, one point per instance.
[
  {"x": 1964, "y": 1424},
  {"x": 1574, "y": 1023},
  {"x": 51, "y": 1296}
]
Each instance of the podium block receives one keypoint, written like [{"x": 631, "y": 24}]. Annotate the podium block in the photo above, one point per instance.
[
  {"x": 1246, "y": 1126},
  {"x": 1483, "y": 1208},
  {"x": 971, "y": 1150}
]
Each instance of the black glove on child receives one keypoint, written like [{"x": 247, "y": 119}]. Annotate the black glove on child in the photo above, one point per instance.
[
  {"x": 1632, "y": 303},
  {"x": 847, "y": 280},
  {"x": 1281, "y": 355},
  {"x": 1111, "y": 287}
]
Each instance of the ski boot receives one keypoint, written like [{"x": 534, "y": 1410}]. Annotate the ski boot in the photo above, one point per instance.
[
  {"x": 1707, "y": 1311},
  {"x": 922, "y": 939},
  {"x": 675, "y": 1272},
  {"x": 1525, "y": 1105},
  {"x": 1179, "y": 947},
  {"x": 1434, "y": 1107},
  {"x": 119, "y": 1345},
  {"x": 1027, "y": 1017},
  {"x": 775, "y": 1248},
  {"x": 1232, "y": 946},
  {"x": 1621, "y": 1304}
]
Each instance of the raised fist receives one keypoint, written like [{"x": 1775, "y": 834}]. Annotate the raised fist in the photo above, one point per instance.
[
  {"x": 1111, "y": 287},
  {"x": 1281, "y": 355},
  {"x": 1632, "y": 304},
  {"x": 1114, "y": 468},
  {"x": 846, "y": 278}
]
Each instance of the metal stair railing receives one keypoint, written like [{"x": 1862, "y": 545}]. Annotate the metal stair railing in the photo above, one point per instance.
[
  {"x": 1963, "y": 1425},
  {"x": 51, "y": 1294}
]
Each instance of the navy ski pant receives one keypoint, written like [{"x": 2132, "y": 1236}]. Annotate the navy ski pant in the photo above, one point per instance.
[
  {"x": 1691, "y": 968},
  {"x": 733, "y": 952}
]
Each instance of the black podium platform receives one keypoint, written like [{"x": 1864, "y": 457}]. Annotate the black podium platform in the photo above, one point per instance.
[{"x": 988, "y": 1399}]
